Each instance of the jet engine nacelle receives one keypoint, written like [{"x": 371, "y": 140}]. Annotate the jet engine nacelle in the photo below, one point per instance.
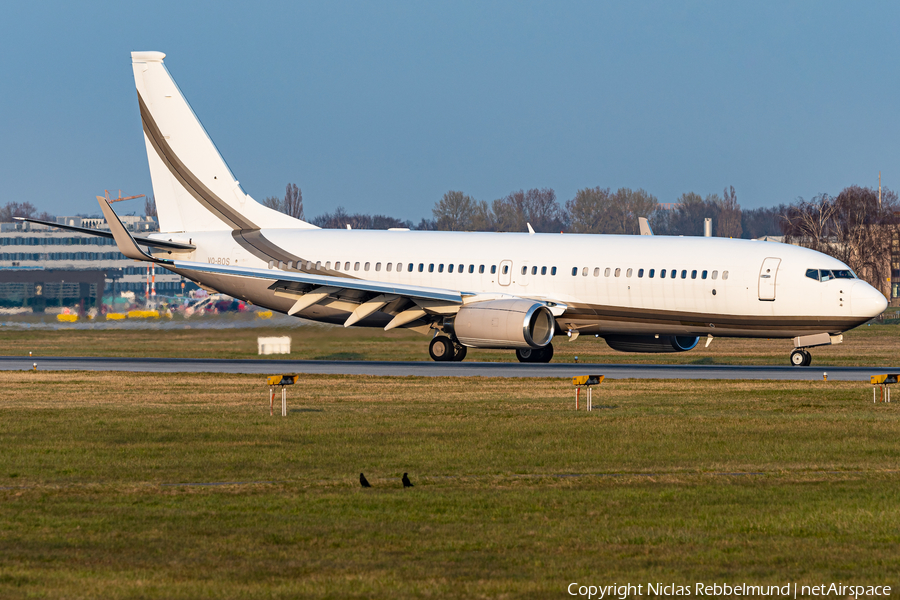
[
  {"x": 649, "y": 343},
  {"x": 506, "y": 323}
]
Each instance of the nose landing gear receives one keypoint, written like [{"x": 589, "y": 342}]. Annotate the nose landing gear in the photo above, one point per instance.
[{"x": 801, "y": 358}]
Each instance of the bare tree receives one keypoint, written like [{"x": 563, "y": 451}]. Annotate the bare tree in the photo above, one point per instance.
[
  {"x": 627, "y": 206},
  {"x": 589, "y": 209},
  {"x": 728, "y": 221},
  {"x": 16, "y": 209},
  {"x": 150, "y": 206},
  {"x": 453, "y": 212},
  {"x": 273, "y": 202},
  {"x": 293, "y": 201}
]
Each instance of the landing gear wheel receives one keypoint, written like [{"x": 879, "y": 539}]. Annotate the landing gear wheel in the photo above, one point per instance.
[
  {"x": 460, "y": 353},
  {"x": 801, "y": 358},
  {"x": 545, "y": 354},
  {"x": 525, "y": 355},
  {"x": 535, "y": 355},
  {"x": 441, "y": 349}
]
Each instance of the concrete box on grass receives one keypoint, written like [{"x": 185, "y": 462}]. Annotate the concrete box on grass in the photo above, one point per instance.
[{"x": 274, "y": 345}]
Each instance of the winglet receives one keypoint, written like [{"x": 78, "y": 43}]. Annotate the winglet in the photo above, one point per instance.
[
  {"x": 645, "y": 226},
  {"x": 124, "y": 241}
]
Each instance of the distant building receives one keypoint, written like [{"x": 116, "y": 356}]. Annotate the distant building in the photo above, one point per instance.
[{"x": 43, "y": 266}]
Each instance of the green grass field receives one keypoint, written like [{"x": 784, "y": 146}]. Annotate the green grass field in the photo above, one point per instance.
[
  {"x": 875, "y": 345},
  {"x": 516, "y": 496}
]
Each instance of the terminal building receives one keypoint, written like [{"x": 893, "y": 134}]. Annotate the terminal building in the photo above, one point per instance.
[{"x": 42, "y": 266}]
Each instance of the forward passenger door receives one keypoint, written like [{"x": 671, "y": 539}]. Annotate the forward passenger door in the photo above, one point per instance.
[{"x": 767, "y": 274}]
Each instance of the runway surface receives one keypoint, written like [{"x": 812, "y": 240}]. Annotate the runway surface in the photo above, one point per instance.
[{"x": 433, "y": 369}]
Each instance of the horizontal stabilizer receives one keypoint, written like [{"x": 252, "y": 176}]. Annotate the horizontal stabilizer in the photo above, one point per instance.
[{"x": 106, "y": 234}]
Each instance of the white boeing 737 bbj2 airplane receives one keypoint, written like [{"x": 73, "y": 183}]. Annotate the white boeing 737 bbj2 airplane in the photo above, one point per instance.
[{"x": 474, "y": 290}]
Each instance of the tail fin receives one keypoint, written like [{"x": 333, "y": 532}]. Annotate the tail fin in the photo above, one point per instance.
[{"x": 194, "y": 188}]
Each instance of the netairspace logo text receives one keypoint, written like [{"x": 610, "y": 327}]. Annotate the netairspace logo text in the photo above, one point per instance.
[{"x": 790, "y": 590}]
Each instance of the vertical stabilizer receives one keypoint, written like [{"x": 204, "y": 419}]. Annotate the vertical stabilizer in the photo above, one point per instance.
[{"x": 194, "y": 188}]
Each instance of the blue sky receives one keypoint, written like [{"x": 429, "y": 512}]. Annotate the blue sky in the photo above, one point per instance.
[{"x": 382, "y": 107}]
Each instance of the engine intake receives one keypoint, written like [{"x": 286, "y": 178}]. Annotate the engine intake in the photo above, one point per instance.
[
  {"x": 649, "y": 343},
  {"x": 512, "y": 323}
]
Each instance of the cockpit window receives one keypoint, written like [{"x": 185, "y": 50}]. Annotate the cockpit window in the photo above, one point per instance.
[{"x": 829, "y": 274}]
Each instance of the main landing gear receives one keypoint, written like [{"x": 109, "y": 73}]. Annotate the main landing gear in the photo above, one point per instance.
[
  {"x": 442, "y": 348},
  {"x": 535, "y": 355},
  {"x": 801, "y": 358}
]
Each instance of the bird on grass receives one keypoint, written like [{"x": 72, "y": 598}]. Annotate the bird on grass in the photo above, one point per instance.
[
  {"x": 363, "y": 481},
  {"x": 406, "y": 482}
]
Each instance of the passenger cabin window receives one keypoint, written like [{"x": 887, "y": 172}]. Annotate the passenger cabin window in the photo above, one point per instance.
[
  {"x": 553, "y": 270},
  {"x": 337, "y": 265},
  {"x": 327, "y": 264},
  {"x": 480, "y": 268},
  {"x": 449, "y": 268},
  {"x": 461, "y": 268},
  {"x": 715, "y": 274},
  {"x": 574, "y": 271},
  {"x": 318, "y": 265},
  {"x": 387, "y": 268},
  {"x": 618, "y": 272},
  {"x": 471, "y": 268},
  {"x": 441, "y": 268},
  {"x": 584, "y": 272},
  {"x": 628, "y": 273},
  {"x": 662, "y": 273},
  {"x": 505, "y": 269},
  {"x": 684, "y": 273},
  {"x": 347, "y": 266},
  {"x": 724, "y": 275},
  {"x": 400, "y": 267},
  {"x": 650, "y": 274},
  {"x": 378, "y": 267},
  {"x": 640, "y": 273},
  {"x": 703, "y": 275},
  {"x": 606, "y": 272},
  {"x": 356, "y": 267},
  {"x": 694, "y": 274},
  {"x": 493, "y": 269},
  {"x": 524, "y": 270},
  {"x": 543, "y": 270},
  {"x": 596, "y": 271},
  {"x": 367, "y": 266},
  {"x": 534, "y": 270},
  {"x": 421, "y": 267},
  {"x": 431, "y": 268},
  {"x": 410, "y": 268}
]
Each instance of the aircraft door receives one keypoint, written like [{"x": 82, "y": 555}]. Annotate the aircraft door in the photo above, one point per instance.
[
  {"x": 767, "y": 274},
  {"x": 505, "y": 272}
]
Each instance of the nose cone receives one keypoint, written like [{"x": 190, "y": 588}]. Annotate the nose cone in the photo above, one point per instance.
[{"x": 866, "y": 301}]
